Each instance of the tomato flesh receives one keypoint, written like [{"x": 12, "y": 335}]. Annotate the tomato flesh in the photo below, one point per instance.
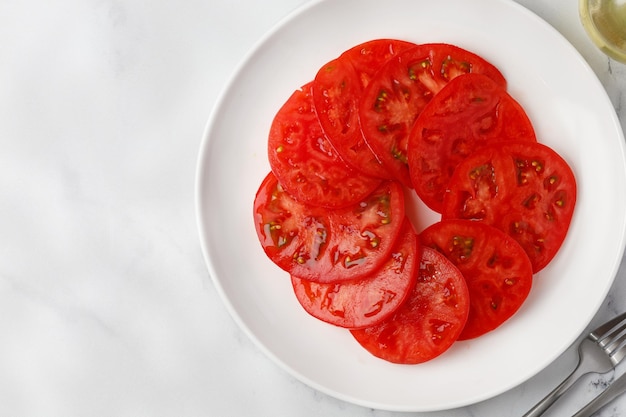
[
  {"x": 323, "y": 245},
  {"x": 429, "y": 322},
  {"x": 470, "y": 112},
  {"x": 387, "y": 115},
  {"x": 400, "y": 90},
  {"x": 368, "y": 300},
  {"x": 337, "y": 90},
  {"x": 306, "y": 163},
  {"x": 524, "y": 189},
  {"x": 495, "y": 267}
]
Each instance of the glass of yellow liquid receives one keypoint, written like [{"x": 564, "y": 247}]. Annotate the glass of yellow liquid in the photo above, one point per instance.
[{"x": 605, "y": 22}]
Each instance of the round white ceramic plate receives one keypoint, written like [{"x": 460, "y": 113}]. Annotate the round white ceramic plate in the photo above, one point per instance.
[{"x": 570, "y": 111}]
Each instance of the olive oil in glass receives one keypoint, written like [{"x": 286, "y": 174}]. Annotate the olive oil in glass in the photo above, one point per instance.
[{"x": 605, "y": 22}]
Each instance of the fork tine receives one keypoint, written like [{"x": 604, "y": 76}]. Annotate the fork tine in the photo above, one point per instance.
[
  {"x": 600, "y": 334},
  {"x": 618, "y": 350},
  {"x": 618, "y": 355},
  {"x": 612, "y": 334},
  {"x": 614, "y": 343}
]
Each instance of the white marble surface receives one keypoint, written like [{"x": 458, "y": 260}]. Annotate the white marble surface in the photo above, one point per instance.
[{"x": 106, "y": 307}]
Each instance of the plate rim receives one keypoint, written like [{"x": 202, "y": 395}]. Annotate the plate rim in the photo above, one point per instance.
[{"x": 206, "y": 143}]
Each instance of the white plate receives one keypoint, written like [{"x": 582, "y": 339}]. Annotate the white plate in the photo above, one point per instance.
[{"x": 571, "y": 113}]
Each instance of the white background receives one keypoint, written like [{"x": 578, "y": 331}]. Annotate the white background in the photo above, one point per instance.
[{"x": 106, "y": 306}]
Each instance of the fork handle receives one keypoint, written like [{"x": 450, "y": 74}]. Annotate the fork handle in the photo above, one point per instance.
[
  {"x": 554, "y": 395},
  {"x": 617, "y": 388}
]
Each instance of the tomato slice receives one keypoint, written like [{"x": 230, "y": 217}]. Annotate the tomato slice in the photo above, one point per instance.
[
  {"x": 430, "y": 320},
  {"x": 365, "y": 301},
  {"x": 524, "y": 189},
  {"x": 305, "y": 162},
  {"x": 497, "y": 271},
  {"x": 400, "y": 90},
  {"x": 469, "y": 113},
  {"x": 337, "y": 90},
  {"x": 324, "y": 245}
]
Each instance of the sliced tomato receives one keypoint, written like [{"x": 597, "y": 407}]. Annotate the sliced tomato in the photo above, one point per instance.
[
  {"x": 430, "y": 320},
  {"x": 497, "y": 271},
  {"x": 524, "y": 189},
  {"x": 337, "y": 90},
  {"x": 305, "y": 162},
  {"x": 323, "y": 245},
  {"x": 471, "y": 112},
  {"x": 400, "y": 90},
  {"x": 368, "y": 300}
]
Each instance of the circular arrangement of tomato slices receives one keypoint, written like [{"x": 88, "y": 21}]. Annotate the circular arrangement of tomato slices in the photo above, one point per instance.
[{"x": 387, "y": 117}]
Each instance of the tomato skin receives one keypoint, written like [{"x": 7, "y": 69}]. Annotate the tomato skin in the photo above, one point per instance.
[
  {"x": 524, "y": 189},
  {"x": 331, "y": 211},
  {"x": 323, "y": 245},
  {"x": 470, "y": 112},
  {"x": 306, "y": 163},
  {"x": 496, "y": 269},
  {"x": 368, "y": 300},
  {"x": 429, "y": 322},
  {"x": 368, "y": 57},
  {"x": 401, "y": 89},
  {"x": 337, "y": 90}
]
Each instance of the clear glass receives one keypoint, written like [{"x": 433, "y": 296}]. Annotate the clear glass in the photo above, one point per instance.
[{"x": 605, "y": 22}]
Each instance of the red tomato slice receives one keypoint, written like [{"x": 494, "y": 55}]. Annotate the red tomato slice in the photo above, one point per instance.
[
  {"x": 402, "y": 88},
  {"x": 497, "y": 271},
  {"x": 365, "y": 301},
  {"x": 337, "y": 89},
  {"x": 524, "y": 189},
  {"x": 430, "y": 320},
  {"x": 305, "y": 162},
  {"x": 469, "y": 113},
  {"x": 324, "y": 245}
]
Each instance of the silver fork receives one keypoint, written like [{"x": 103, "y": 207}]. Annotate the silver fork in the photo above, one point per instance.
[{"x": 600, "y": 351}]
